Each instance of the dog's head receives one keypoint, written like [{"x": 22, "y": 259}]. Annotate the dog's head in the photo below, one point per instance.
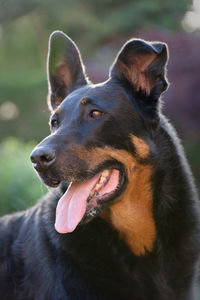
[{"x": 99, "y": 133}]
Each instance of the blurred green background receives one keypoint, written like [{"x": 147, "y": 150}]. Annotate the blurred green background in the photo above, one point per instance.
[{"x": 99, "y": 27}]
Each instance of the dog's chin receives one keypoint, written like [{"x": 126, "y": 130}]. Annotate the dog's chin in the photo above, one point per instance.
[{"x": 52, "y": 182}]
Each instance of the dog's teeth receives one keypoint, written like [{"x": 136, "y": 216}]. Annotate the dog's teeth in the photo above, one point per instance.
[
  {"x": 102, "y": 179},
  {"x": 91, "y": 193},
  {"x": 98, "y": 186},
  {"x": 105, "y": 173}
]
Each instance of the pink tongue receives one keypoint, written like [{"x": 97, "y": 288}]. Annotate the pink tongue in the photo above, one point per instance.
[{"x": 72, "y": 205}]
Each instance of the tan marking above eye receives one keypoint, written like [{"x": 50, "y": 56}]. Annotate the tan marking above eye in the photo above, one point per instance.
[
  {"x": 58, "y": 110},
  {"x": 84, "y": 100}
]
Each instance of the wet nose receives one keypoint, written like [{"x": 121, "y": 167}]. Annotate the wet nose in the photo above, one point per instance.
[{"x": 42, "y": 157}]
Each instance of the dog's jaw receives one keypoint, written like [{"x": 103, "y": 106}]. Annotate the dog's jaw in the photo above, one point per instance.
[{"x": 83, "y": 198}]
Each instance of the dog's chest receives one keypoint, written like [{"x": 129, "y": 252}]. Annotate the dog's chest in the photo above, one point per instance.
[{"x": 99, "y": 262}]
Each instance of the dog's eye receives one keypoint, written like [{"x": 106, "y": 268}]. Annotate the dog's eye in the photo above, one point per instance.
[
  {"x": 54, "y": 123},
  {"x": 95, "y": 114}
]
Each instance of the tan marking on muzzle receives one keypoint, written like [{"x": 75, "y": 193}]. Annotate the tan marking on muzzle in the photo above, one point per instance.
[
  {"x": 96, "y": 156},
  {"x": 132, "y": 215}
]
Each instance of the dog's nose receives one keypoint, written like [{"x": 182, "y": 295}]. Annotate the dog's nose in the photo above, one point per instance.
[{"x": 42, "y": 157}]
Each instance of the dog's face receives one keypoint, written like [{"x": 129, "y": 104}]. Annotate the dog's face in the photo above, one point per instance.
[{"x": 98, "y": 132}]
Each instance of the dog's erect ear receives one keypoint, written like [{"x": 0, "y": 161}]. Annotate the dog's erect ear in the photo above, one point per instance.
[
  {"x": 142, "y": 65},
  {"x": 64, "y": 68}
]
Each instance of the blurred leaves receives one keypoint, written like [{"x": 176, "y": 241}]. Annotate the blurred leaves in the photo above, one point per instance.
[
  {"x": 24, "y": 31},
  {"x": 29, "y": 97},
  {"x": 20, "y": 187},
  {"x": 9, "y": 10},
  {"x": 114, "y": 16}
]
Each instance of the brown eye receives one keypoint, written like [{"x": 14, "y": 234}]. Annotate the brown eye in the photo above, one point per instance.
[
  {"x": 54, "y": 123},
  {"x": 95, "y": 114}
]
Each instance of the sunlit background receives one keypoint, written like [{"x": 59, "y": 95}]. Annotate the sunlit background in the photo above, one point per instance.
[{"x": 99, "y": 27}]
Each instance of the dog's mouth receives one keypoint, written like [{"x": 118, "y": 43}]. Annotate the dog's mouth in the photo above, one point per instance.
[{"x": 86, "y": 199}]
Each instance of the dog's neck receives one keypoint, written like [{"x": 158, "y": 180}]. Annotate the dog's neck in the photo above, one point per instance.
[{"x": 132, "y": 215}]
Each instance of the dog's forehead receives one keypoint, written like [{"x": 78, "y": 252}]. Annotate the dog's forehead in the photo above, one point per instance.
[{"x": 105, "y": 95}]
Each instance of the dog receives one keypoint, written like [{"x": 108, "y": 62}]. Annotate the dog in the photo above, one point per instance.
[{"x": 122, "y": 218}]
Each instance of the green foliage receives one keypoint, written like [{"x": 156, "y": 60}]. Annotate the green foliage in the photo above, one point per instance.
[
  {"x": 20, "y": 187},
  {"x": 29, "y": 97},
  {"x": 96, "y": 15},
  {"x": 24, "y": 37}
]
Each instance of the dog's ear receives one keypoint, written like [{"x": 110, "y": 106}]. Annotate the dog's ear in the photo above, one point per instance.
[
  {"x": 141, "y": 66},
  {"x": 65, "y": 69}
]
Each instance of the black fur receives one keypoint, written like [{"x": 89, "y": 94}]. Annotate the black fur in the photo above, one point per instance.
[{"x": 92, "y": 263}]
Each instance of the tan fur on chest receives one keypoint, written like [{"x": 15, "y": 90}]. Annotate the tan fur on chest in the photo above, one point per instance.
[{"x": 132, "y": 215}]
